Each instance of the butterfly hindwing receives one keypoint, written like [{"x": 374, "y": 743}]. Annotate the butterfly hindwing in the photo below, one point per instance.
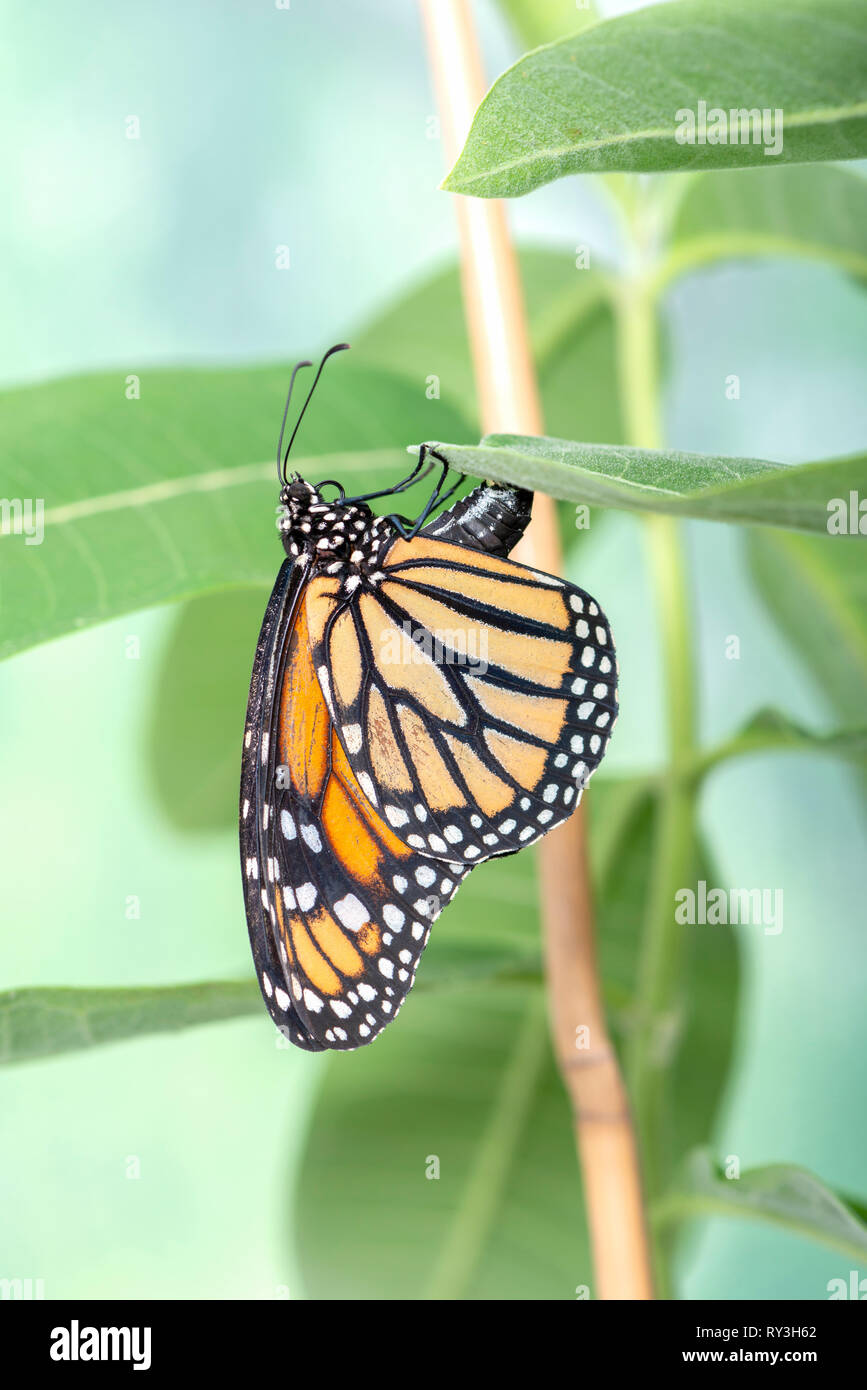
[{"x": 473, "y": 696}]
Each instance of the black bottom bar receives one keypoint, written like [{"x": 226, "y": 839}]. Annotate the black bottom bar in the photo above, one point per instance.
[{"x": 64, "y": 1338}]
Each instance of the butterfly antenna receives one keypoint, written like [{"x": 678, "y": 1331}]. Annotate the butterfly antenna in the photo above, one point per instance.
[
  {"x": 295, "y": 370},
  {"x": 338, "y": 347}
]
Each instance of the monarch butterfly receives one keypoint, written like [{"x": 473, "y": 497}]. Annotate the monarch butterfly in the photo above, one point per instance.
[{"x": 419, "y": 703}]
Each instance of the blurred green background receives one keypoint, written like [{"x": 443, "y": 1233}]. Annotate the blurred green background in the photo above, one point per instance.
[{"x": 310, "y": 128}]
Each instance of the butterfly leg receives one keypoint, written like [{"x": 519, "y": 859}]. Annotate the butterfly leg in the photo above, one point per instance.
[
  {"x": 409, "y": 529},
  {"x": 398, "y": 487}
]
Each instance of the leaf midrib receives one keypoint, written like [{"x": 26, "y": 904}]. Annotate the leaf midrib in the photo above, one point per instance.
[{"x": 217, "y": 480}]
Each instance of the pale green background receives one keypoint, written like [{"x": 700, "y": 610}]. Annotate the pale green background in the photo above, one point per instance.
[{"x": 307, "y": 127}]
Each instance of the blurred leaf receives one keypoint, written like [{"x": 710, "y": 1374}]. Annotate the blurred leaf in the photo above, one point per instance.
[
  {"x": 44, "y": 1022},
  {"x": 157, "y": 499},
  {"x": 465, "y": 962},
  {"x": 197, "y": 719},
  {"x": 816, "y": 592},
  {"x": 780, "y": 1193},
  {"x": 698, "y": 1038},
  {"x": 620, "y": 816},
  {"x": 697, "y": 485},
  {"x": 855, "y": 1204},
  {"x": 467, "y": 1081},
  {"x": 541, "y": 21},
  {"x": 466, "y": 1075},
  {"x": 817, "y": 211},
  {"x": 611, "y": 809},
  {"x": 607, "y": 99},
  {"x": 493, "y": 923},
  {"x": 770, "y": 730},
  {"x": 703, "y": 1031},
  {"x": 572, "y": 336}
]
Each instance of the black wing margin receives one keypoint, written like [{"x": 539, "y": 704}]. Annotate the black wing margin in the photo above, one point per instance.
[{"x": 259, "y": 733}]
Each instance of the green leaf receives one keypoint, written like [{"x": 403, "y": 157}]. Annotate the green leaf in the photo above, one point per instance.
[
  {"x": 679, "y": 484},
  {"x": 816, "y": 591},
  {"x": 772, "y": 731},
  {"x": 161, "y": 498},
  {"x": 814, "y": 212},
  {"x": 38, "y": 1023},
  {"x": 572, "y": 336},
  {"x": 193, "y": 737},
  {"x": 540, "y": 21},
  {"x": 780, "y": 1194},
  {"x": 467, "y": 1081},
  {"x": 608, "y": 98}
]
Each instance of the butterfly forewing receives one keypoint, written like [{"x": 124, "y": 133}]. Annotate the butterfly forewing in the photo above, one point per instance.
[
  {"x": 473, "y": 696},
  {"x": 254, "y": 800},
  {"x": 344, "y": 907}
]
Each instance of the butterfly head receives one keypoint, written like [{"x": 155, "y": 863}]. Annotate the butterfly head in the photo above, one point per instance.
[{"x": 337, "y": 533}]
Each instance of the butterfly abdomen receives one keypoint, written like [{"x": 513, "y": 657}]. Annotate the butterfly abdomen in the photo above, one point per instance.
[{"x": 492, "y": 518}]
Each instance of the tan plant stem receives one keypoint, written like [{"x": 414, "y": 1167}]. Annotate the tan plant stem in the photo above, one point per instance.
[{"x": 509, "y": 402}]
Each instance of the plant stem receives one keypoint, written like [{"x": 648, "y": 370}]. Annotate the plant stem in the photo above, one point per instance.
[
  {"x": 656, "y": 1014},
  {"x": 509, "y": 402}
]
